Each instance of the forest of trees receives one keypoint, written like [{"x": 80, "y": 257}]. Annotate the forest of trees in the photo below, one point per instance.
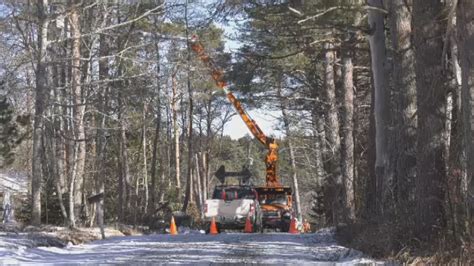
[{"x": 375, "y": 101}]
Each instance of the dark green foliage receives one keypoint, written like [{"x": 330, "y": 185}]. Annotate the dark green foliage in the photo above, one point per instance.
[
  {"x": 8, "y": 132},
  {"x": 22, "y": 209}
]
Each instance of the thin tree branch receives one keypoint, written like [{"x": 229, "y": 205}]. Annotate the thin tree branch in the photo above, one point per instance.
[{"x": 340, "y": 7}]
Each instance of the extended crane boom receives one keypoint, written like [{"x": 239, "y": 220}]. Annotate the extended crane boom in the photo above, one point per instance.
[{"x": 270, "y": 143}]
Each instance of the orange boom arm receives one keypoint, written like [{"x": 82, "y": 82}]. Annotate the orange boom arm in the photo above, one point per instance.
[{"x": 270, "y": 143}]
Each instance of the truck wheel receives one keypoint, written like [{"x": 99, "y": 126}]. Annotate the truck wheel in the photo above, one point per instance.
[
  {"x": 285, "y": 227},
  {"x": 258, "y": 227}
]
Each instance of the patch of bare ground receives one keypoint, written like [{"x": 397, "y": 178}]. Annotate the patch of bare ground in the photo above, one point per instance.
[
  {"x": 74, "y": 235},
  {"x": 388, "y": 242},
  {"x": 49, "y": 235}
]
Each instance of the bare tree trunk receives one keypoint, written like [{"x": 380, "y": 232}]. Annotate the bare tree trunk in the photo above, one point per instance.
[
  {"x": 347, "y": 149},
  {"x": 58, "y": 146},
  {"x": 189, "y": 186},
  {"x": 197, "y": 182},
  {"x": 204, "y": 174},
  {"x": 72, "y": 188},
  {"x": 101, "y": 131},
  {"x": 79, "y": 109},
  {"x": 125, "y": 169},
  {"x": 57, "y": 140},
  {"x": 317, "y": 120},
  {"x": 144, "y": 153},
  {"x": 206, "y": 154},
  {"x": 286, "y": 121},
  {"x": 379, "y": 62},
  {"x": 174, "y": 107},
  {"x": 157, "y": 127},
  {"x": 317, "y": 124},
  {"x": 466, "y": 37},
  {"x": 40, "y": 103},
  {"x": 169, "y": 148},
  {"x": 188, "y": 196},
  {"x": 334, "y": 193},
  {"x": 405, "y": 121},
  {"x": 431, "y": 90},
  {"x": 155, "y": 156},
  {"x": 101, "y": 143},
  {"x": 369, "y": 195}
]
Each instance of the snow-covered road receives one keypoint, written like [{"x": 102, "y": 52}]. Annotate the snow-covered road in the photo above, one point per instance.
[{"x": 195, "y": 248}]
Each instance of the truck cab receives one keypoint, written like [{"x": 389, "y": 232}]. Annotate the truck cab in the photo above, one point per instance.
[
  {"x": 276, "y": 206},
  {"x": 230, "y": 205}
]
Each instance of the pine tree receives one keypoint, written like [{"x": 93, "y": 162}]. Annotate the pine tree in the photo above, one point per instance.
[{"x": 8, "y": 131}]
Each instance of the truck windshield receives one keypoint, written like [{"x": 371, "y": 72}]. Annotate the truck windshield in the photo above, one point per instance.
[
  {"x": 233, "y": 193},
  {"x": 217, "y": 193},
  {"x": 274, "y": 199}
]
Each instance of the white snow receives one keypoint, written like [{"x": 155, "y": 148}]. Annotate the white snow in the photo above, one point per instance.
[{"x": 190, "y": 248}]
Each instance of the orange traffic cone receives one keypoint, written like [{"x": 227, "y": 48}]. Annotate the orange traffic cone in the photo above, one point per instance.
[
  {"x": 173, "y": 229},
  {"x": 213, "y": 228},
  {"x": 248, "y": 225},
  {"x": 293, "y": 229}
]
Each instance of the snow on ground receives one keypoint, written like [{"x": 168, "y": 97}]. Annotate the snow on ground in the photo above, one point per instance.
[{"x": 191, "y": 248}]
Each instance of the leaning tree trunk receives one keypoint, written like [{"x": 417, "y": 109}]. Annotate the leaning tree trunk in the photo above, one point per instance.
[
  {"x": 197, "y": 182},
  {"x": 40, "y": 103},
  {"x": 286, "y": 122},
  {"x": 431, "y": 94}
]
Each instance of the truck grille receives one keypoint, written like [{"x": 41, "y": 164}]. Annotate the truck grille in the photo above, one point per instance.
[{"x": 271, "y": 214}]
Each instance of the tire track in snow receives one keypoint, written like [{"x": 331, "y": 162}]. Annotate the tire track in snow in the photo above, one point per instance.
[{"x": 195, "y": 248}]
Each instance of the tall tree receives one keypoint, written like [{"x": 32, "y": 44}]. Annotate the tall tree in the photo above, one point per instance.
[
  {"x": 157, "y": 134},
  {"x": 177, "y": 155},
  {"x": 40, "y": 104},
  {"x": 466, "y": 44},
  {"x": 291, "y": 149},
  {"x": 347, "y": 136},
  {"x": 189, "y": 183},
  {"x": 333, "y": 138},
  {"x": 379, "y": 72},
  {"x": 77, "y": 180},
  {"x": 404, "y": 86},
  {"x": 431, "y": 92}
]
